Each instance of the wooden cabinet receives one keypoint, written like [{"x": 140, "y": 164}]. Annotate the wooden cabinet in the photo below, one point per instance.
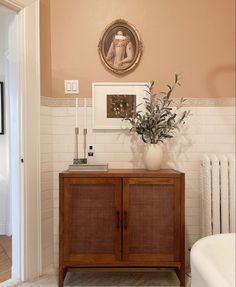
[{"x": 120, "y": 219}]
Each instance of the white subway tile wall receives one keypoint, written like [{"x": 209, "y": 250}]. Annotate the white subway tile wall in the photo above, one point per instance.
[
  {"x": 210, "y": 129},
  {"x": 47, "y": 189}
]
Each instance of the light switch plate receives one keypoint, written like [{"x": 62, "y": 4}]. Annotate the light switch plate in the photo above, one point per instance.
[{"x": 71, "y": 87}]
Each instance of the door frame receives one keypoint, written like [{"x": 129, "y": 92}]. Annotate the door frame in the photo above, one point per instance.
[{"x": 27, "y": 204}]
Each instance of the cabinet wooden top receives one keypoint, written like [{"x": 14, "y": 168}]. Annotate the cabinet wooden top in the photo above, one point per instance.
[{"x": 123, "y": 173}]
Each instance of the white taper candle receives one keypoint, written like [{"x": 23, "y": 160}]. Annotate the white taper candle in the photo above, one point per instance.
[
  {"x": 76, "y": 112},
  {"x": 85, "y": 112}
]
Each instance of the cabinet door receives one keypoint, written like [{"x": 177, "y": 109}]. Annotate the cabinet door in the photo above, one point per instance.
[
  {"x": 151, "y": 219},
  {"x": 92, "y": 220}
]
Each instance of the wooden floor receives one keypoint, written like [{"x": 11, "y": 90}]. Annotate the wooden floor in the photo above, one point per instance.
[{"x": 5, "y": 258}]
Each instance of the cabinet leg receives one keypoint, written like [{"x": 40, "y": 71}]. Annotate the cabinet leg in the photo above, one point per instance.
[
  {"x": 62, "y": 275},
  {"x": 181, "y": 275}
]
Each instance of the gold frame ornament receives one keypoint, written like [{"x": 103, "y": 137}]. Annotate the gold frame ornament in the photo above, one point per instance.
[{"x": 120, "y": 47}]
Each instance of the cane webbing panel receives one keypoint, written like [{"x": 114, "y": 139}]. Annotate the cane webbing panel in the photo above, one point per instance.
[
  {"x": 151, "y": 219},
  {"x": 93, "y": 219}
]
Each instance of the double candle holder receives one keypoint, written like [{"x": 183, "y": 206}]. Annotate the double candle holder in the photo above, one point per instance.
[{"x": 83, "y": 164}]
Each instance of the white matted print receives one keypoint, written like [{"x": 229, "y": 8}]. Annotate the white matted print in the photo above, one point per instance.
[{"x": 113, "y": 101}]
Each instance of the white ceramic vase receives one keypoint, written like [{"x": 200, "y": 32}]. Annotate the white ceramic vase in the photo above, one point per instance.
[{"x": 153, "y": 156}]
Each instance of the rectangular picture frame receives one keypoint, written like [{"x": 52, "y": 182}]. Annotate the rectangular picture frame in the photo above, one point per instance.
[
  {"x": 100, "y": 90},
  {"x": 1, "y": 109}
]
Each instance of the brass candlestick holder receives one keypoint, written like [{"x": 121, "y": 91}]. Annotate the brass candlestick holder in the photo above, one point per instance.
[
  {"x": 76, "y": 157},
  {"x": 78, "y": 160},
  {"x": 85, "y": 142}
]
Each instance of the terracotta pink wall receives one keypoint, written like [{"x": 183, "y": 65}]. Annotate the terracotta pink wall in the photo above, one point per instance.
[
  {"x": 196, "y": 38},
  {"x": 45, "y": 48}
]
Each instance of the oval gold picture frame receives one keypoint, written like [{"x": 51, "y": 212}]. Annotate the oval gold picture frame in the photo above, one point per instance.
[{"x": 120, "y": 47}]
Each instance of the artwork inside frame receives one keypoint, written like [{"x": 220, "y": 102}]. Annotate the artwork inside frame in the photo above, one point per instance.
[
  {"x": 120, "y": 106},
  {"x": 1, "y": 109},
  {"x": 120, "y": 47},
  {"x": 106, "y": 97}
]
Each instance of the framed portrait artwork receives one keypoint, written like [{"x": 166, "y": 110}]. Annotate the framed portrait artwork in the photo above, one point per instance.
[
  {"x": 114, "y": 101},
  {"x": 120, "y": 47},
  {"x": 1, "y": 109}
]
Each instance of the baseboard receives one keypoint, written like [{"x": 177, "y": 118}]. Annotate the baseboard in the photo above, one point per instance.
[
  {"x": 8, "y": 230},
  {"x": 5, "y": 229},
  {"x": 2, "y": 229}
]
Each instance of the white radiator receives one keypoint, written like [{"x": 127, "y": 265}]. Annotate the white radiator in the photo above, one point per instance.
[{"x": 217, "y": 174}]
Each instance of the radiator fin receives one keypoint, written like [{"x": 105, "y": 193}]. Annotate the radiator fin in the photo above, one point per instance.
[
  {"x": 217, "y": 174},
  {"x": 232, "y": 192}
]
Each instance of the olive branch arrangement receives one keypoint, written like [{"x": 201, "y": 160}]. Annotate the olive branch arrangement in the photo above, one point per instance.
[{"x": 161, "y": 119}]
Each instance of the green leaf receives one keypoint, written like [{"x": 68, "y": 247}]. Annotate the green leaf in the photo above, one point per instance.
[{"x": 159, "y": 121}]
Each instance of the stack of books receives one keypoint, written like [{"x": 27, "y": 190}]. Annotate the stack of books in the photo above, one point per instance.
[{"x": 89, "y": 167}]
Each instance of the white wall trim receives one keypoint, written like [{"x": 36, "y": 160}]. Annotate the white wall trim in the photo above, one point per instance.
[
  {"x": 30, "y": 80},
  {"x": 11, "y": 5},
  {"x": 16, "y": 5},
  {"x": 28, "y": 214}
]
